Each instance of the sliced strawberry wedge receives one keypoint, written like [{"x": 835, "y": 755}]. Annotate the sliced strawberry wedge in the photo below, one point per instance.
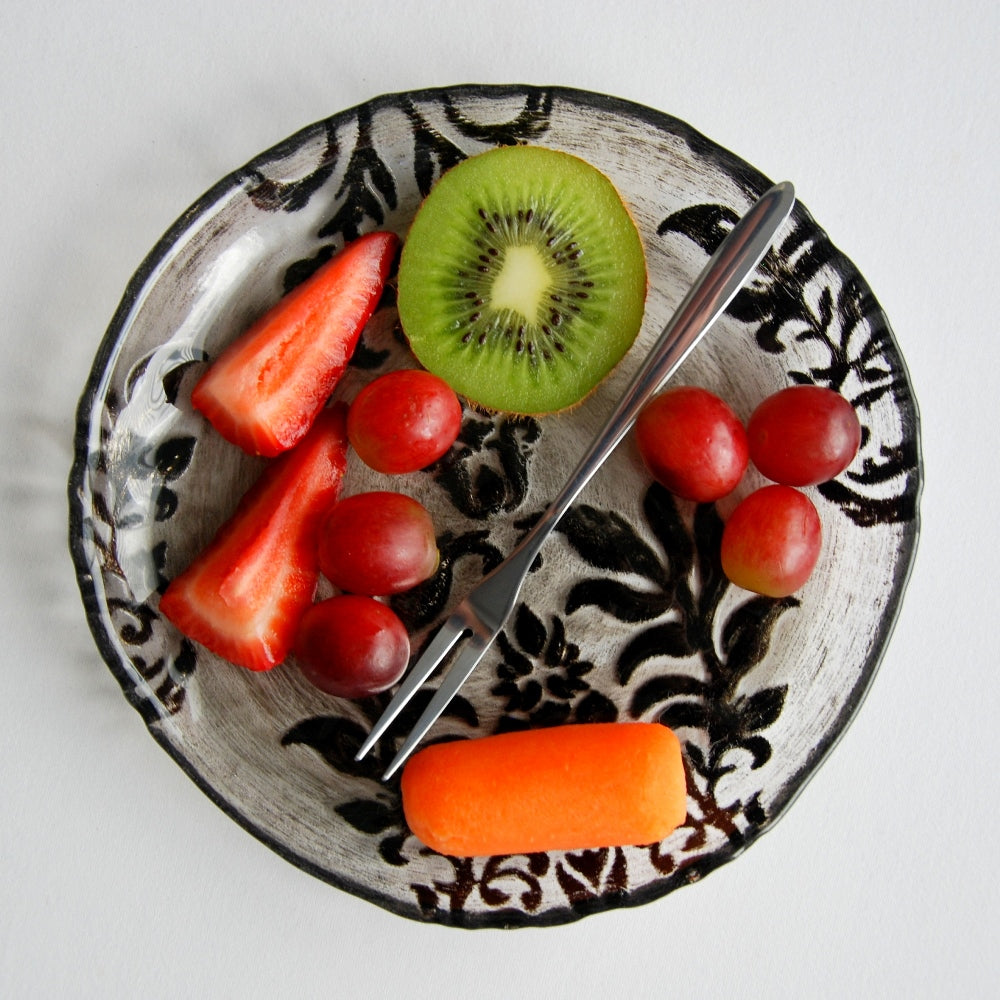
[
  {"x": 264, "y": 390},
  {"x": 243, "y": 596}
]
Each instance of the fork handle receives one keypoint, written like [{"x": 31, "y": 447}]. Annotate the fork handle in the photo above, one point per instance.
[{"x": 722, "y": 277}]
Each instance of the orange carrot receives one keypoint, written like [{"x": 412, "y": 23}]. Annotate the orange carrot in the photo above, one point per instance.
[{"x": 569, "y": 787}]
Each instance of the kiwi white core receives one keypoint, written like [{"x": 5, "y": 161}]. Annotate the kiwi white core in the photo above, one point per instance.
[{"x": 521, "y": 282}]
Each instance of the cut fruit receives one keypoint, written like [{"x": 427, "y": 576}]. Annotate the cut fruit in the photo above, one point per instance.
[
  {"x": 264, "y": 391},
  {"x": 243, "y": 596},
  {"x": 522, "y": 282}
]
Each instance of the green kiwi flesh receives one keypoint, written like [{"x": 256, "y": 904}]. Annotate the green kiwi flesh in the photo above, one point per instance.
[{"x": 522, "y": 281}]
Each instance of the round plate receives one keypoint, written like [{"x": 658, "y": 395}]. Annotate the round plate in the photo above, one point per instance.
[{"x": 627, "y": 615}]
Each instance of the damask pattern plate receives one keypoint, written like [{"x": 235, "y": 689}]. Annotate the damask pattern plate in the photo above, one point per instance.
[{"x": 627, "y": 614}]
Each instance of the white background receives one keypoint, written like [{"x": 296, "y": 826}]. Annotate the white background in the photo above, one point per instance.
[{"x": 118, "y": 878}]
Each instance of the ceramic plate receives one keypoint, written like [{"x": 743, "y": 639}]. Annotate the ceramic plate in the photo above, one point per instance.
[{"x": 627, "y": 616}]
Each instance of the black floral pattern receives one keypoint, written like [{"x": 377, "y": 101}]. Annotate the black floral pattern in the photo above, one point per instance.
[
  {"x": 272, "y": 195},
  {"x": 679, "y": 618},
  {"x": 434, "y": 153}
]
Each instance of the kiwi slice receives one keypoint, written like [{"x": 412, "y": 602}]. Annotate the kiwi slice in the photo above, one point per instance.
[{"x": 522, "y": 281}]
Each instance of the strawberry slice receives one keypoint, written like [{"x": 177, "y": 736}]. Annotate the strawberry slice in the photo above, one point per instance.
[
  {"x": 243, "y": 596},
  {"x": 264, "y": 390}
]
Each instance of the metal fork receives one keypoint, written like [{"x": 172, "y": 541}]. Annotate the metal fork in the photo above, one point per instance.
[{"x": 481, "y": 615}]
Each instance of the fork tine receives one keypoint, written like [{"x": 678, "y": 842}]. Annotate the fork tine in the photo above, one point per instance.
[
  {"x": 446, "y": 637},
  {"x": 453, "y": 680}
]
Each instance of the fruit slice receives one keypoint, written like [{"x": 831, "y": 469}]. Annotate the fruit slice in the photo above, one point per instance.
[
  {"x": 522, "y": 281},
  {"x": 264, "y": 390},
  {"x": 243, "y": 596}
]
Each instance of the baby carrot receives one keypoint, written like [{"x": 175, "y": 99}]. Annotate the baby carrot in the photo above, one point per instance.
[{"x": 568, "y": 787}]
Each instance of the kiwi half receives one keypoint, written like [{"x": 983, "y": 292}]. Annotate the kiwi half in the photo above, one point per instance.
[{"x": 522, "y": 281}]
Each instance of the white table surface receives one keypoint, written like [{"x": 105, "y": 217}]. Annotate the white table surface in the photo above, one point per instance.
[{"x": 119, "y": 878}]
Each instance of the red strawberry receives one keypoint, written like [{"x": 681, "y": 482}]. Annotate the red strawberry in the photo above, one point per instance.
[
  {"x": 264, "y": 390},
  {"x": 243, "y": 596}
]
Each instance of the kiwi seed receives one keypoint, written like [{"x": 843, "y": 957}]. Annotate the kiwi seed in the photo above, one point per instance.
[{"x": 522, "y": 281}]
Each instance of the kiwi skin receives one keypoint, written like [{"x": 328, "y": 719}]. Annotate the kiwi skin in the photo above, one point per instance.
[{"x": 522, "y": 281}]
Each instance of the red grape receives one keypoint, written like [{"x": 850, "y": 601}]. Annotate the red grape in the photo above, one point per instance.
[
  {"x": 803, "y": 435},
  {"x": 404, "y": 420},
  {"x": 378, "y": 543},
  {"x": 692, "y": 443},
  {"x": 771, "y": 541},
  {"x": 351, "y": 646}
]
